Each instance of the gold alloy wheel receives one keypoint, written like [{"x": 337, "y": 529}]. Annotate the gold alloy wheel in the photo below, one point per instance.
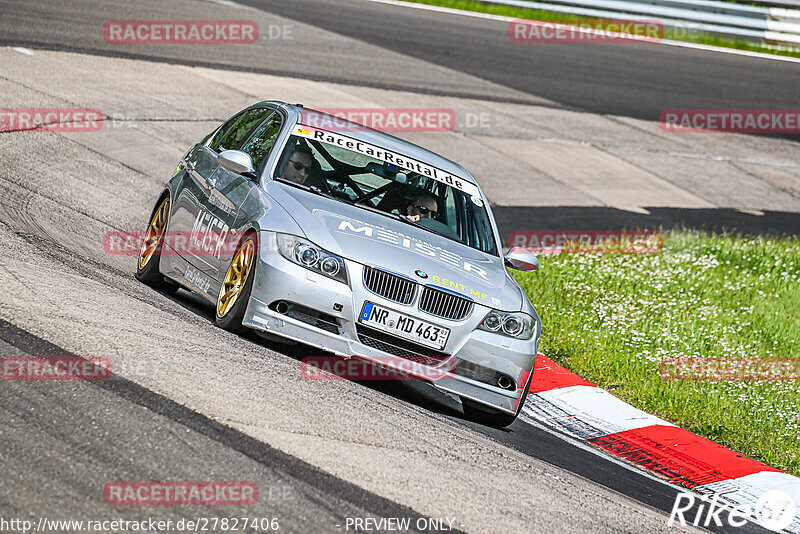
[
  {"x": 235, "y": 278},
  {"x": 154, "y": 233}
]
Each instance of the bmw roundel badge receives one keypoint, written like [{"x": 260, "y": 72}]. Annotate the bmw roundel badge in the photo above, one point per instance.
[{"x": 421, "y": 274}]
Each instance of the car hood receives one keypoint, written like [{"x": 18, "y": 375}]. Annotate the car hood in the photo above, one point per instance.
[{"x": 406, "y": 249}]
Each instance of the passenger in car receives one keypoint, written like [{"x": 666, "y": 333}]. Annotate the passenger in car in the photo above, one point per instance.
[{"x": 422, "y": 206}]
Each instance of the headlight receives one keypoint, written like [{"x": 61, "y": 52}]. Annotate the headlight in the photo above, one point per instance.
[
  {"x": 312, "y": 257},
  {"x": 516, "y": 325}
]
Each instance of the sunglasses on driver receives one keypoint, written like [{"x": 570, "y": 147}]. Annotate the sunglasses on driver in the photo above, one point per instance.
[
  {"x": 299, "y": 166},
  {"x": 424, "y": 210}
]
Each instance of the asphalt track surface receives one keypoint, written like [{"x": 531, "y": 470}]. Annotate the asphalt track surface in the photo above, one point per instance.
[
  {"x": 62, "y": 455},
  {"x": 635, "y": 80},
  {"x": 368, "y": 44},
  {"x": 617, "y": 78},
  {"x": 65, "y": 439}
]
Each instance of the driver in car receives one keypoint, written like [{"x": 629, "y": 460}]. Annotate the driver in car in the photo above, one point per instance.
[
  {"x": 299, "y": 166},
  {"x": 422, "y": 206}
]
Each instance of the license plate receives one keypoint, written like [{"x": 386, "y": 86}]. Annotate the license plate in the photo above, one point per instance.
[{"x": 404, "y": 326}]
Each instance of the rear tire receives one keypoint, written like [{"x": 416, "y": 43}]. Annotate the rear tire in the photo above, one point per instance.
[
  {"x": 149, "y": 259},
  {"x": 234, "y": 294}
]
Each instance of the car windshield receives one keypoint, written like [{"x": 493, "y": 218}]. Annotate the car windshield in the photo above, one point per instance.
[{"x": 378, "y": 179}]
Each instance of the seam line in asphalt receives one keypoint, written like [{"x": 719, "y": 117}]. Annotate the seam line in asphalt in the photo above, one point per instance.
[{"x": 308, "y": 76}]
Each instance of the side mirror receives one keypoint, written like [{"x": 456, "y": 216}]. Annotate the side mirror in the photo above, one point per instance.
[
  {"x": 521, "y": 259},
  {"x": 237, "y": 162}
]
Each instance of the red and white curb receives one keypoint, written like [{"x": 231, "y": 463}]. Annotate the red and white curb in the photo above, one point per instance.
[{"x": 562, "y": 400}]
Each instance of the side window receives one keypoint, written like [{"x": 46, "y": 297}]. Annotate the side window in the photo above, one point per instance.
[
  {"x": 222, "y": 131},
  {"x": 261, "y": 143},
  {"x": 234, "y": 136}
]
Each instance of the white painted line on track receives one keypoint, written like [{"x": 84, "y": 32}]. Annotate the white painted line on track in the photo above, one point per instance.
[
  {"x": 230, "y": 3},
  {"x": 667, "y": 42},
  {"x": 688, "y": 155},
  {"x": 618, "y": 416},
  {"x": 22, "y": 50},
  {"x": 750, "y": 489}
]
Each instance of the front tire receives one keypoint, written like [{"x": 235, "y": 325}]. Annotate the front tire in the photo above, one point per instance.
[
  {"x": 234, "y": 294},
  {"x": 478, "y": 413},
  {"x": 486, "y": 416}
]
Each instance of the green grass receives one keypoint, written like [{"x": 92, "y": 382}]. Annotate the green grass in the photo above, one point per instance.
[
  {"x": 612, "y": 318},
  {"x": 539, "y": 14}
]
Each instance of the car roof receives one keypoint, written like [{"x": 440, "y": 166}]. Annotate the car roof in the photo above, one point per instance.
[{"x": 368, "y": 135}]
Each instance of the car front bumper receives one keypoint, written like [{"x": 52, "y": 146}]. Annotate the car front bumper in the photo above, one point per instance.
[{"x": 280, "y": 280}]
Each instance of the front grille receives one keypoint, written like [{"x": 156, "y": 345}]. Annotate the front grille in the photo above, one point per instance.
[
  {"x": 444, "y": 304},
  {"x": 399, "y": 347},
  {"x": 389, "y": 286}
]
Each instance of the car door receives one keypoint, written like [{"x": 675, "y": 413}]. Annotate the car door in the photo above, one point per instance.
[
  {"x": 206, "y": 210},
  {"x": 198, "y": 167},
  {"x": 260, "y": 146},
  {"x": 221, "y": 212}
]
